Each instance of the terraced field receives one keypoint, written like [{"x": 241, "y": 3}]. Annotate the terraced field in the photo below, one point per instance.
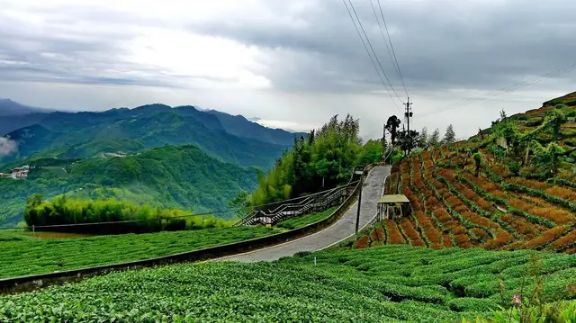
[
  {"x": 390, "y": 283},
  {"x": 22, "y": 254},
  {"x": 494, "y": 210}
]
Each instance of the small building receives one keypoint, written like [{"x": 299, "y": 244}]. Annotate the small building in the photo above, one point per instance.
[
  {"x": 393, "y": 206},
  {"x": 20, "y": 172}
]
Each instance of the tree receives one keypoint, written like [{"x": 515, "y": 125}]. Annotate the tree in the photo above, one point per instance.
[
  {"x": 392, "y": 126},
  {"x": 422, "y": 140},
  {"x": 326, "y": 159},
  {"x": 407, "y": 140},
  {"x": 435, "y": 138},
  {"x": 477, "y": 163},
  {"x": 449, "y": 136}
]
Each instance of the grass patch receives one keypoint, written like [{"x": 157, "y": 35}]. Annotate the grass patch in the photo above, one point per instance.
[{"x": 304, "y": 220}]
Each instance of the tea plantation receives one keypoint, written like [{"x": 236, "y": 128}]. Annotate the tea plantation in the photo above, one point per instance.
[
  {"x": 389, "y": 283},
  {"x": 22, "y": 254}
]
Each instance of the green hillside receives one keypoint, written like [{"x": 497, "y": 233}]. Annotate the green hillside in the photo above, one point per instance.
[
  {"x": 513, "y": 186},
  {"x": 171, "y": 176},
  {"x": 395, "y": 283},
  {"x": 86, "y": 134}
]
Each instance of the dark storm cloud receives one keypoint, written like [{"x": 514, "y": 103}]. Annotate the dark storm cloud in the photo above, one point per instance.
[
  {"x": 301, "y": 57},
  {"x": 440, "y": 44}
]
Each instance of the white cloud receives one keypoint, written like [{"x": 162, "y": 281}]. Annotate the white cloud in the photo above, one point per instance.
[
  {"x": 7, "y": 146},
  {"x": 291, "y": 63}
]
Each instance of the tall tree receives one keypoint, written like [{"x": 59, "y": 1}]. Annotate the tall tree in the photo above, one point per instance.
[
  {"x": 435, "y": 138},
  {"x": 422, "y": 140},
  {"x": 327, "y": 158},
  {"x": 407, "y": 140},
  {"x": 392, "y": 126},
  {"x": 449, "y": 136}
]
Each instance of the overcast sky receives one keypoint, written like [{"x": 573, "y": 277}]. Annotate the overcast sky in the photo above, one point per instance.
[{"x": 293, "y": 64}]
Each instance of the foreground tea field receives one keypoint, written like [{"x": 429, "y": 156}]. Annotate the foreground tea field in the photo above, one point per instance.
[
  {"x": 390, "y": 283},
  {"x": 22, "y": 254}
]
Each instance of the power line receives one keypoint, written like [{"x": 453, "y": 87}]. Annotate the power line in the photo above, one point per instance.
[
  {"x": 389, "y": 43},
  {"x": 369, "y": 48},
  {"x": 372, "y": 49}
]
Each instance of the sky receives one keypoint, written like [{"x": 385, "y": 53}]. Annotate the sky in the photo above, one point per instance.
[{"x": 292, "y": 64}]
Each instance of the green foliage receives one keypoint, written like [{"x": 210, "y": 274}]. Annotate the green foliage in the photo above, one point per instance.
[
  {"x": 321, "y": 161},
  {"x": 449, "y": 136},
  {"x": 392, "y": 283},
  {"x": 167, "y": 177},
  {"x": 134, "y": 218},
  {"x": 555, "y": 312},
  {"x": 422, "y": 140},
  {"x": 81, "y": 135},
  {"x": 477, "y": 162},
  {"x": 27, "y": 253},
  {"x": 434, "y": 139},
  {"x": 371, "y": 153}
]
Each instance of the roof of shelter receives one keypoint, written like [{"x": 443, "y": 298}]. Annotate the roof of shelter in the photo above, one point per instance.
[{"x": 394, "y": 198}]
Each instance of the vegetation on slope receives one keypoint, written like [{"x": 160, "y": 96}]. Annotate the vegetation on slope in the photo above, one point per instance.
[
  {"x": 168, "y": 177},
  {"x": 498, "y": 190},
  {"x": 322, "y": 160},
  {"x": 67, "y": 135},
  {"x": 300, "y": 221},
  {"x": 112, "y": 216},
  {"x": 392, "y": 283}
]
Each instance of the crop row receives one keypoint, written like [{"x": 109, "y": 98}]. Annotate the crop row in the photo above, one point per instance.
[
  {"x": 388, "y": 283},
  {"x": 452, "y": 206}
]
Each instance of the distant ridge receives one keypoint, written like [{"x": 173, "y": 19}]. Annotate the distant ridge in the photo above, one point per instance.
[{"x": 229, "y": 138}]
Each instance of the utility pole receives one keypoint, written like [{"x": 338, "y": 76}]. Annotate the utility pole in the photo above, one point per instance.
[
  {"x": 361, "y": 173},
  {"x": 408, "y": 135},
  {"x": 408, "y": 114}
]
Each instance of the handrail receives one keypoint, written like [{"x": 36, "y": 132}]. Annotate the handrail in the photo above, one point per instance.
[{"x": 317, "y": 201}]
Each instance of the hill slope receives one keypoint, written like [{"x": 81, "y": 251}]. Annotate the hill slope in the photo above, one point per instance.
[
  {"x": 14, "y": 115},
  {"x": 59, "y": 134},
  {"x": 512, "y": 186},
  {"x": 147, "y": 126},
  {"x": 170, "y": 176}
]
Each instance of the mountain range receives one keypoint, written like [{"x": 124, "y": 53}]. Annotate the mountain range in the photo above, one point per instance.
[{"x": 165, "y": 156}]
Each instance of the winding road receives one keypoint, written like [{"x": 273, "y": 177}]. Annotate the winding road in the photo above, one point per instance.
[{"x": 340, "y": 230}]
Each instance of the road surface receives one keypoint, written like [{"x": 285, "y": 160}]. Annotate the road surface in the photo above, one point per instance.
[{"x": 340, "y": 230}]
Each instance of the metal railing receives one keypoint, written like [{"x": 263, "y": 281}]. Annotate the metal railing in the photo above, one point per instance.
[{"x": 316, "y": 202}]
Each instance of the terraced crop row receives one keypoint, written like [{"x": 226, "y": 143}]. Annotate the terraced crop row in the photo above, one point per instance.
[
  {"x": 389, "y": 283},
  {"x": 494, "y": 210}
]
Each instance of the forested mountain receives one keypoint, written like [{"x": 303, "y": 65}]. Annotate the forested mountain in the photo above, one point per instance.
[
  {"x": 84, "y": 134},
  {"x": 14, "y": 115},
  {"x": 240, "y": 126},
  {"x": 170, "y": 176},
  {"x": 180, "y": 157}
]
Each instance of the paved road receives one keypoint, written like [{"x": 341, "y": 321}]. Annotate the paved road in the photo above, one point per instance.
[{"x": 342, "y": 229}]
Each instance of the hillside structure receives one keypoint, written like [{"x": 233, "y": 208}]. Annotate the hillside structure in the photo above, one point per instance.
[
  {"x": 17, "y": 173},
  {"x": 393, "y": 206}
]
